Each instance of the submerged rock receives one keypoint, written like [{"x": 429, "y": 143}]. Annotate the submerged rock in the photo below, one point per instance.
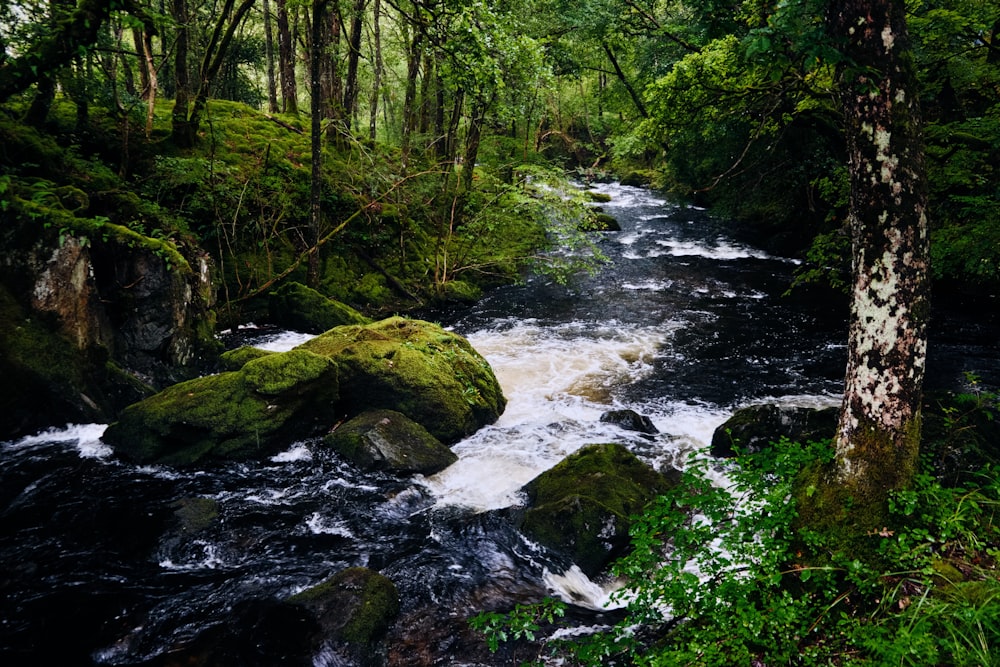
[
  {"x": 753, "y": 428},
  {"x": 582, "y": 506},
  {"x": 295, "y": 306},
  {"x": 432, "y": 376},
  {"x": 630, "y": 420},
  {"x": 388, "y": 440},
  {"x": 243, "y": 414},
  {"x": 353, "y": 609}
]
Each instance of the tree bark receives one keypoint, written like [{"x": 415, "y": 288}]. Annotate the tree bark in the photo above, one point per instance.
[
  {"x": 377, "y": 83},
  {"x": 879, "y": 430},
  {"x": 353, "y": 58},
  {"x": 182, "y": 84},
  {"x": 286, "y": 61},
  {"x": 272, "y": 88},
  {"x": 316, "y": 140}
]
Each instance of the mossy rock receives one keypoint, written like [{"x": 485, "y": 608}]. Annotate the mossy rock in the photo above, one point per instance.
[
  {"x": 432, "y": 376},
  {"x": 301, "y": 308},
  {"x": 234, "y": 360},
  {"x": 604, "y": 223},
  {"x": 754, "y": 428},
  {"x": 388, "y": 440},
  {"x": 459, "y": 291},
  {"x": 599, "y": 197},
  {"x": 583, "y": 506},
  {"x": 637, "y": 178},
  {"x": 355, "y": 605},
  {"x": 245, "y": 414}
]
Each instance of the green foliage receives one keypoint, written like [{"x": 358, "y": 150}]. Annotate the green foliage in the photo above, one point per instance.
[
  {"x": 722, "y": 576},
  {"x": 523, "y": 622}
]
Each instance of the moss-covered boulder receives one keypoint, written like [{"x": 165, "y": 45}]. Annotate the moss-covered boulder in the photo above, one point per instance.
[
  {"x": 301, "y": 308},
  {"x": 582, "y": 506},
  {"x": 245, "y": 414},
  {"x": 604, "y": 223},
  {"x": 753, "y": 428},
  {"x": 234, "y": 360},
  {"x": 388, "y": 440},
  {"x": 432, "y": 376},
  {"x": 353, "y": 607}
]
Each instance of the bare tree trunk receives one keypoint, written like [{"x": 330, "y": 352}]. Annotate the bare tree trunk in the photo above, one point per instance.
[
  {"x": 472, "y": 141},
  {"x": 148, "y": 77},
  {"x": 879, "y": 430},
  {"x": 316, "y": 54},
  {"x": 409, "y": 97},
  {"x": 182, "y": 82},
  {"x": 636, "y": 100},
  {"x": 272, "y": 89},
  {"x": 353, "y": 58},
  {"x": 286, "y": 61},
  {"x": 377, "y": 83}
]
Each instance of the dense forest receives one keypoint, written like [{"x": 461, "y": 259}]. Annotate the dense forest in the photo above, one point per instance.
[{"x": 172, "y": 169}]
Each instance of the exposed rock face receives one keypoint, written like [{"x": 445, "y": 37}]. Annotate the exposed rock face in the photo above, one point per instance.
[
  {"x": 388, "y": 440},
  {"x": 581, "y": 507},
  {"x": 432, "y": 376},
  {"x": 754, "y": 428},
  {"x": 250, "y": 413},
  {"x": 124, "y": 317},
  {"x": 295, "y": 306}
]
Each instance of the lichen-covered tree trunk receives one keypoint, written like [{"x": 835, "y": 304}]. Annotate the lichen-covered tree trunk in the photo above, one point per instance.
[{"x": 879, "y": 430}]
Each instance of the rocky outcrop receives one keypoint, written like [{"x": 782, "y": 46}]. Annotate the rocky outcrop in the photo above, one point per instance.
[
  {"x": 300, "y": 308},
  {"x": 582, "y": 507},
  {"x": 249, "y": 413},
  {"x": 436, "y": 384},
  {"x": 388, "y": 440},
  {"x": 754, "y": 428},
  {"x": 128, "y": 316},
  {"x": 432, "y": 376}
]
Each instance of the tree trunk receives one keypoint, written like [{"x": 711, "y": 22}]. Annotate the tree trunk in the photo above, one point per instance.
[
  {"x": 182, "y": 84},
  {"x": 377, "y": 83},
  {"x": 286, "y": 61},
  {"x": 472, "y": 141},
  {"x": 353, "y": 58},
  {"x": 272, "y": 88},
  {"x": 879, "y": 430},
  {"x": 319, "y": 22},
  {"x": 409, "y": 97},
  {"x": 624, "y": 81},
  {"x": 148, "y": 77}
]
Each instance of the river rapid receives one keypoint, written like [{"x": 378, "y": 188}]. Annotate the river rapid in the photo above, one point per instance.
[{"x": 108, "y": 563}]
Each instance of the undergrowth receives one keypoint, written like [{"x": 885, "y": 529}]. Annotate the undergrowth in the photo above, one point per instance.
[{"x": 720, "y": 576}]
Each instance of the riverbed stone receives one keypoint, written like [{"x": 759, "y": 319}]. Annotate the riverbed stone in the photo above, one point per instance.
[
  {"x": 237, "y": 415},
  {"x": 630, "y": 420},
  {"x": 583, "y": 506},
  {"x": 754, "y": 428},
  {"x": 353, "y": 607},
  {"x": 417, "y": 368},
  {"x": 234, "y": 360},
  {"x": 300, "y": 308},
  {"x": 388, "y": 440}
]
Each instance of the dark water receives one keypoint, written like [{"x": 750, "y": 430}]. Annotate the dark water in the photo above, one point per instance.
[{"x": 107, "y": 563}]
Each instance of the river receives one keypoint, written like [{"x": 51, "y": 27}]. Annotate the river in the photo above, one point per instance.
[{"x": 108, "y": 563}]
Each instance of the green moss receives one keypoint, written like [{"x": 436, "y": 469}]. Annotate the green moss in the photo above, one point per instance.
[
  {"x": 583, "y": 506},
  {"x": 432, "y": 376},
  {"x": 599, "y": 197},
  {"x": 388, "y": 440},
  {"x": 234, "y": 415},
  {"x": 372, "y": 289},
  {"x": 355, "y": 605},
  {"x": 195, "y": 514},
  {"x": 277, "y": 374},
  {"x": 295, "y": 306},
  {"x": 234, "y": 360}
]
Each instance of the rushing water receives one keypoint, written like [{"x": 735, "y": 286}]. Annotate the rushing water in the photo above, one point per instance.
[{"x": 109, "y": 563}]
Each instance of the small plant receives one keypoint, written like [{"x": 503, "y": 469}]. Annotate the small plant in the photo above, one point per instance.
[{"x": 725, "y": 576}]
